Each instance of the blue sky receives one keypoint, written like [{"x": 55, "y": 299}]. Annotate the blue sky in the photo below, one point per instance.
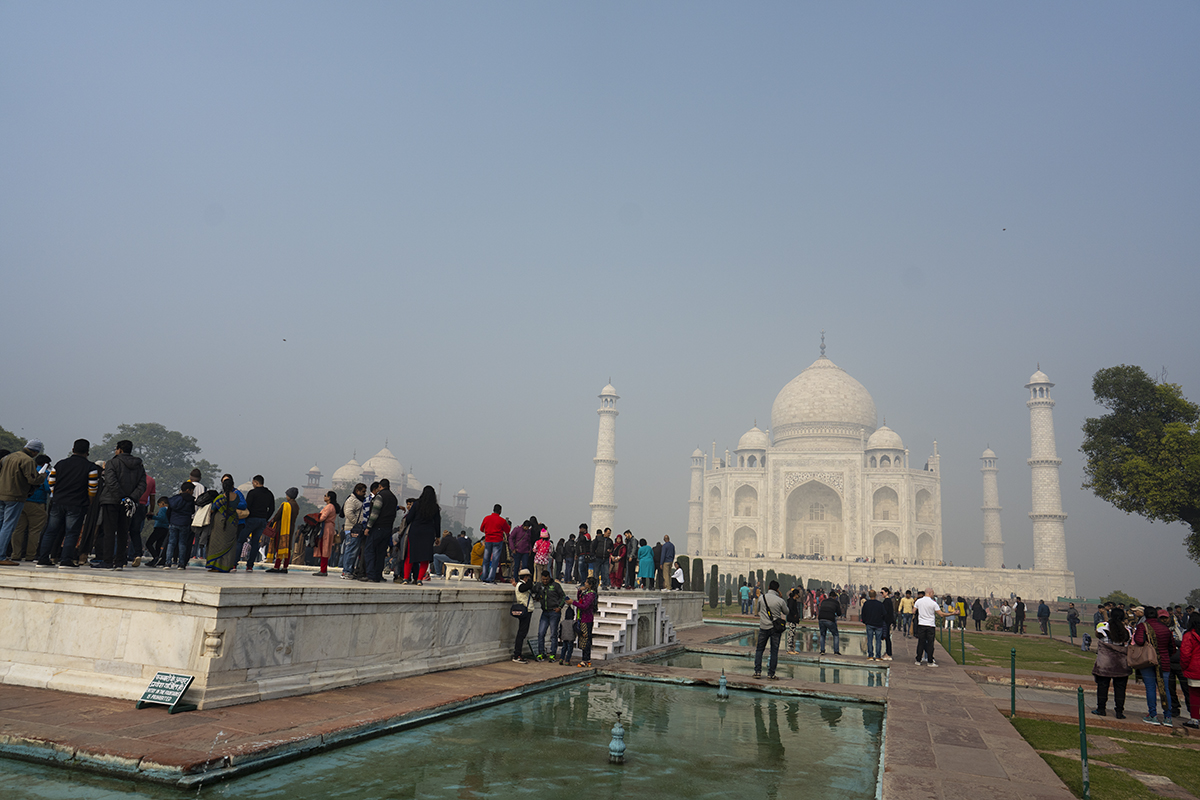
[{"x": 465, "y": 218}]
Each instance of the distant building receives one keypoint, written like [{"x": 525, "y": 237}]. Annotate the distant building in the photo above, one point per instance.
[{"x": 404, "y": 483}]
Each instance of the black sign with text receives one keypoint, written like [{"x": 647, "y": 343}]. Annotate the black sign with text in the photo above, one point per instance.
[{"x": 166, "y": 689}]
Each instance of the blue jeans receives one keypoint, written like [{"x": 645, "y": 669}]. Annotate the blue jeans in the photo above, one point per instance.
[
  {"x": 63, "y": 522},
  {"x": 491, "y": 560},
  {"x": 583, "y": 568},
  {"x": 350, "y": 543},
  {"x": 829, "y": 626},
  {"x": 439, "y": 560},
  {"x": 550, "y": 619},
  {"x": 178, "y": 537},
  {"x": 569, "y": 570},
  {"x": 905, "y": 624},
  {"x": 1150, "y": 677},
  {"x": 874, "y": 640},
  {"x": 10, "y": 512},
  {"x": 521, "y": 561},
  {"x": 252, "y": 530},
  {"x": 771, "y": 636}
]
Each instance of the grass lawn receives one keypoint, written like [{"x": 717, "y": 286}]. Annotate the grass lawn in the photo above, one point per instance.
[
  {"x": 722, "y": 610},
  {"x": 1043, "y": 655},
  {"x": 1155, "y": 754}
]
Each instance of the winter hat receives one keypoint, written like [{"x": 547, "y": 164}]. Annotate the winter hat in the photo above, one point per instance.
[{"x": 35, "y": 445}]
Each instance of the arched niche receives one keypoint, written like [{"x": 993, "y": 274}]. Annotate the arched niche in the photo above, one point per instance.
[
  {"x": 745, "y": 542},
  {"x": 745, "y": 502},
  {"x": 814, "y": 520},
  {"x": 925, "y": 547},
  {"x": 887, "y": 546},
  {"x": 714, "y": 502},
  {"x": 885, "y": 504},
  {"x": 924, "y": 506}
]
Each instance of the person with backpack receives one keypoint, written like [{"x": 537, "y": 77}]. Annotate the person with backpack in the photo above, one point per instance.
[
  {"x": 124, "y": 482},
  {"x": 1112, "y": 665},
  {"x": 1153, "y": 632},
  {"x": 181, "y": 508},
  {"x": 522, "y": 609},
  {"x": 772, "y": 615}
]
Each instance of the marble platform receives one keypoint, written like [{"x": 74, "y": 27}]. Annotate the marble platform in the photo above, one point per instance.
[{"x": 249, "y": 636}]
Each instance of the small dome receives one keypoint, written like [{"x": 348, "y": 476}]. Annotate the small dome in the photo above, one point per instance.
[
  {"x": 989, "y": 453},
  {"x": 314, "y": 470},
  {"x": 608, "y": 391},
  {"x": 245, "y": 487},
  {"x": 885, "y": 439},
  {"x": 348, "y": 473},
  {"x": 753, "y": 439},
  {"x": 1038, "y": 377},
  {"x": 461, "y": 493},
  {"x": 697, "y": 453}
]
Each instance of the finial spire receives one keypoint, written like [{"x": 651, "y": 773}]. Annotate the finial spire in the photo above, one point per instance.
[
  {"x": 822, "y": 343},
  {"x": 385, "y": 443}
]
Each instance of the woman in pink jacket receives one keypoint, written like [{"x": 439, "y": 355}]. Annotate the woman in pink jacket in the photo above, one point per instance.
[
  {"x": 1189, "y": 660},
  {"x": 324, "y": 546}
]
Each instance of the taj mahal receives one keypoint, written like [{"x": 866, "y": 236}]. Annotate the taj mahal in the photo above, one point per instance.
[{"x": 827, "y": 494}]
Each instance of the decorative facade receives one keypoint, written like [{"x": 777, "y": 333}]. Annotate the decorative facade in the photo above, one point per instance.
[{"x": 825, "y": 482}]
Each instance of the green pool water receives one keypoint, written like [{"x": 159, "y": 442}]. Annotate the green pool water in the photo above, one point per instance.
[
  {"x": 681, "y": 743},
  {"x": 744, "y": 665},
  {"x": 852, "y": 642}
]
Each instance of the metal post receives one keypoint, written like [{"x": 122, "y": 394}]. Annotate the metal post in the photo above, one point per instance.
[
  {"x": 1012, "y": 711},
  {"x": 962, "y": 642},
  {"x": 1083, "y": 756}
]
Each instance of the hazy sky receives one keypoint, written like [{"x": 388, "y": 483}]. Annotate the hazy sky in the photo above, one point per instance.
[{"x": 295, "y": 230}]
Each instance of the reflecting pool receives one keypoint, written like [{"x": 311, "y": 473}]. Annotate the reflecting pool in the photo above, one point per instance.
[
  {"x": 803, "y": 671},
  {"x": 682, "y": 742},
  {"x": 808, "y": 640}
]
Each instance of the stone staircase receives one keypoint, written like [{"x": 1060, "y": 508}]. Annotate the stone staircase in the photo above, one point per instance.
[{"x": 615, "y": 631}]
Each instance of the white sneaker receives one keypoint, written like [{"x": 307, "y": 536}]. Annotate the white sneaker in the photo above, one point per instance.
[{"x": 887, "y": 658}]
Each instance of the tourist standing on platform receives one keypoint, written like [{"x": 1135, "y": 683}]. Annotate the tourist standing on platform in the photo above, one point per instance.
[
  {"x": 906, "y": 613},
  {"x": 1189, "y": 662},
  {"x": 587, "y": 602},
  {"x": 794, "y": 613},
  {"x": 631, "y": 558},
  {"x": 494, "y": 528},
  {"x": 666, "y": 560},
  {"x": 222, "y": 554},
  {"x": 1043, "y": 616},
  {"x": 195, "y": 532},
  {"x": 520, "y": 549},
  {"x": 646, "y": 566},
  {"x": 1112, "y": 665},
  {"x": 156, "y": 543},
  {"x": 927, "y": 612},
  {"x": 382, "y": 519},
  {"x": 283, "y": 523},
  {"x": 566, "y": 636},
  {"x": 601, "y": 547},
  {"x": 124, "y": 480},
  {"x": 583, "y": 553},
  {"x": 32, "y": 522},
  {"x": 543, "y": 553},
  {"x": 74, "y": 482},
  {"x": 327, "y": 519},
  {"x": 19, "y": 475},
  {"x": 1155, "y": 677},
  {"x": 1019, "y": 612},
  {"x": 523, "y": 589},
  {"x": 182, "y": 508},
  {"x": 260, "y": 502},
  {"x": 827, "y": 617},
  {"x": 617, "y": 561},
  {"x": 559, "y": 551},
  {"x": 399, "y": 553},
  {"x": 871, "y": 616},
  {"x": 569, "y": 551},
  {"x": 140, "y": 512},
  {"x": 771, "y": 609},
  {"x": 552, "y": 598},
  {"x": 424, "y": 520}
]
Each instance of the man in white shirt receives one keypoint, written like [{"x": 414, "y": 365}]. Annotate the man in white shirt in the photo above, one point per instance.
[{"x": 927, "y": 612}]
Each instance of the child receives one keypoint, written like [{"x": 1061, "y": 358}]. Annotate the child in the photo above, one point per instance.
[
  {"x": 157, "y": 541},
  {"x": 541, "y": 554},
  {"x": 182, "y": 506},
  {"x": 566, "y": 635}
]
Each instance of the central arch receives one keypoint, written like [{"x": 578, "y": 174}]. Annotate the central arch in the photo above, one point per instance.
[{"x": 814, "y": 520}]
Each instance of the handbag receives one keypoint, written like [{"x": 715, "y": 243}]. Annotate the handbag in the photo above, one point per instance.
[
  {"x": 518, "y": 609},
  {"x": 202, "y": 517},
  {"x": 1144, "y": 656},
  {"x": 777, "y": 624}
]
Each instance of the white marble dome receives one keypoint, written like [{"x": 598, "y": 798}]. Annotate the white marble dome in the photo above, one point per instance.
[
  {"x": 753, "y": 439},
  {"x": 609, "y": 391},
  {"x": 1038, "y": 377},
  {"x": 386, "y": 465},
  {"x": 885, "y": 439},
  {"x": 348, "y": 473},
  {"x": 822, "y": 401},
  {"x": 988, "y": 453}
]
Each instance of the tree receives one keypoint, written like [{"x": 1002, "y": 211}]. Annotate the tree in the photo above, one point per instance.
[
  {"x": 712, "y": 588},
  {"x": 169, "y": 456},
  {"x": 10, "y": 441},
  {"x": 728, "y": 596},
  {"x": 1120, "y": 597},
  {"x": 771, "y": 576},
  {"x": 1193, "y": 598},
  {"x": 697, "y": 575},
  {"x": 683, "y": 565},
  {"x": 1143, "y": 456}
]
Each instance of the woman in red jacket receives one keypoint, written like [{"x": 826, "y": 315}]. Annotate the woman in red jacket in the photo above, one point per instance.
[
  {"x": 1155, "y": 678},
  {"x": 1189, "y": 660}
]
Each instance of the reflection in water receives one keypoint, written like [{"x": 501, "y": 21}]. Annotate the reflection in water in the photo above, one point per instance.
[
  {"x": 682, "y": 742},
  {"x": 808, "y": 641},
  {"x": 789, "y": 670}
]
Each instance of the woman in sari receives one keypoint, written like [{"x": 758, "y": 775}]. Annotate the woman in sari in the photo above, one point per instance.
[
  {"x": 324, "y": 546},
  {"x": 222, "y": 553},
  {"x": 616, "y": 574}
]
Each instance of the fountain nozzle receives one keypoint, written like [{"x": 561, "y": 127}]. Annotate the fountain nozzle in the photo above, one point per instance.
[
  {"x": 723, "y": 688},
  {"x": 616, "y": 748}
]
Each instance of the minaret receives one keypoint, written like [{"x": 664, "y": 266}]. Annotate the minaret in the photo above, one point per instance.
[
  {"x": 604, "y": 499},
  {"x": 993, "y": 545},
  {"x": 1049, "y": 530},
  {"x": 696, "y": 504}
]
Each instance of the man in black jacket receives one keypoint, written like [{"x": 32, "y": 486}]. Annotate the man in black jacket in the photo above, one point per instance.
[
  {"x": 889, "y": 622},
  {"x": 447, "y": 550},
  {"x": 124, "y": 483},
  {"x": 260, "y": 502},
  {"x": 73, "y": 484},
  {"x": 601, "y": 548},
  {"x": 827, "y": 617},
  {"x": 379, "y": 530}
]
